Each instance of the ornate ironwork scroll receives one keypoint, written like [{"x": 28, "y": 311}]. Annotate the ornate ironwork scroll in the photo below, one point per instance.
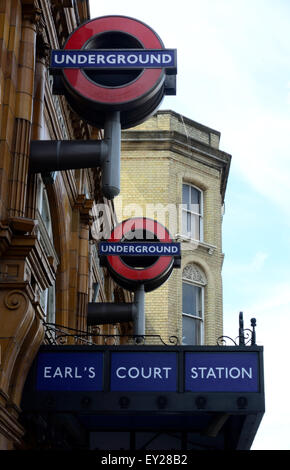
[
  {"x": 61, "y": 335},
  {"x": 246, "y": 337}
]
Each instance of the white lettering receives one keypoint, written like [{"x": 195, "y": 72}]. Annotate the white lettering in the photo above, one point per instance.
[
  {"x": 47, "y": 371},
  {"x": 211, "y": 373},
  {"x": 118, "y": 373},
  {"x": 167, "y": 369},
  {"x": 219, "y": 369},
  {"x": 121, "y": 59},
  {"x": 130, "y": 373},
  {"x": 194, "y": 373},
  {"x": 100, "y": 59},
  {"x": 249, "y": 373},
  {"x": 221, "y": 373},
  {"x": 82, "y": 59},
  {"x": 132, "y": 59},
  {"x": 71, "y": 59},
  {"x": 144, "y": 372},
  {"x": 157, "y": 372},
  {"x": 236, "y": 375},
  {"x": 202, "y": 369},
  {"x": 156, "y": 59},
  {"x": 57, "y": 373},
  {"x": 144, "y": 60},
  {"x": 59, "y": 59},
  {"x": 76, "y": 374},
  {"x": 111, "y": 59},
  {"x": 92, "y": 59},
  {"x": 68, "y": 372},
  {"x": 92, "y": 373},
  {"x": 166, "y": 58}
]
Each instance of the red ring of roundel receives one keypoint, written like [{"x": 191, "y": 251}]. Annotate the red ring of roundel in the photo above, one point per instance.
[
  {"x": 113, "y": 95},
  {"x": 151, "y": 272}
]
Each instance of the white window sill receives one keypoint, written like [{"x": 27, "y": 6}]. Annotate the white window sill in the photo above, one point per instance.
[{"x": 194, "y": 244}]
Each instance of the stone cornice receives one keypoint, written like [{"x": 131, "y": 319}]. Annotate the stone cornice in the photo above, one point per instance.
[
  {"x": 170, "y": 140},
  {"x": 179, "y": 144}
]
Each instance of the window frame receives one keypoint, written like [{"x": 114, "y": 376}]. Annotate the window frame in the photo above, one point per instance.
[
  {"x": 185, "y": 211},
  {"x": 45, "y": 236},
  {"x": 199, "y": 320},
  {"x": 193, "y": 274}
]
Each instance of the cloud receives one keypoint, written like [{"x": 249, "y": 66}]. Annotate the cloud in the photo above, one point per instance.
[
  {"x": 261, "y": 154},
  {"x": 255, "y": 265},
  {"x": 271, "y": 309}
]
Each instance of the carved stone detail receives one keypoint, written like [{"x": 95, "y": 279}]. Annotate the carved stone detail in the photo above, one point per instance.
[
  {"x": 32, "y": 13},
  {"x": 194, "y": 273},
  {"x": 14, "y": 299}
]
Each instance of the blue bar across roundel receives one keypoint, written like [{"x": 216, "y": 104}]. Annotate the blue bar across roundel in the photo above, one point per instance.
[
  {"x": 139, "y": 249},
  {"x": 114, "y": 59}
]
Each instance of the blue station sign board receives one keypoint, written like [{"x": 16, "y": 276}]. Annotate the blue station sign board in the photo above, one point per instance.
[
  {"x": 74, "y": 371},
  {"x": 140, "y": 388},
  {"x": 149, "y": 371}
]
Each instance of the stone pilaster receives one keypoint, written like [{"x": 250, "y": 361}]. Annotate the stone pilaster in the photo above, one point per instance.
[
  {"x": 31, "y": 17},
  {"x": 84, "y": 205}
]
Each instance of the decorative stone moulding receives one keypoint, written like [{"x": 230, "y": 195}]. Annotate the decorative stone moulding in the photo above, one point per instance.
[{"x": 194, "y": 273}]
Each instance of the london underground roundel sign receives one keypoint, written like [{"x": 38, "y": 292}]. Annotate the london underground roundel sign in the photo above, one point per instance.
[
  {"x": 115, "y": 63},
  {"x": 140, "y": 251}
]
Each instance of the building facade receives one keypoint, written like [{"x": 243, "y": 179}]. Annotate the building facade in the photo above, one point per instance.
[
  {"x": 173, "y": 171},
  {"x": 70, "y": 383},
  {"x": 49, "y": 268}
]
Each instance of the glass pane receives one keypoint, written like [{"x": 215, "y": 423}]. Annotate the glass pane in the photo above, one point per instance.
[
  {"x": 185, "y": 194},
  {"x": 45, "y": 213},
  {"x": 195, "y": 227},
  {"x": 191, "y": 299},
  {"x": 191, "y": 331},
  {"x": 50, "y": 317},
  {"x": 188, "y": 223},
  {"x": 195, "y": 196},
  {"x": 184, "y": 224},
  {"x": 199, "y": 303}
]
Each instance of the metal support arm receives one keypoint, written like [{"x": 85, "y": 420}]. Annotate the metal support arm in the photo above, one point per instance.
[
  {"x": 108, "y": 313},
  {"x": 56, "y": 155}
]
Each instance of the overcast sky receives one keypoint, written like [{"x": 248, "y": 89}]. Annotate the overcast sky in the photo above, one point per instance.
[{"x": 234, "y": 76}]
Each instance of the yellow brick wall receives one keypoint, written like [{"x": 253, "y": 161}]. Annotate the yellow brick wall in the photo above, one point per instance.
[{"x": 150, "y": 177}]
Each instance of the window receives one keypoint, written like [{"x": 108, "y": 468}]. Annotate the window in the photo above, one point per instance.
[
  {"x": 45, "y": 236},
  {"x": 191, "y": 212},
  {"x": 193, "y": 283}
]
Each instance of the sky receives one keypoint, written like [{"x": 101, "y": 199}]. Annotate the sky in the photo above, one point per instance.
[{"x": 234, "y": 76}]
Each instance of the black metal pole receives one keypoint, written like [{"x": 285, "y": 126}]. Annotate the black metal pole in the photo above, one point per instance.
[
  {"x": 109, "y": 313},
  {"x": 139, "y": 317},
  {"x": 47, "y": 156},
  {"x": 241, "y": 330}
]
